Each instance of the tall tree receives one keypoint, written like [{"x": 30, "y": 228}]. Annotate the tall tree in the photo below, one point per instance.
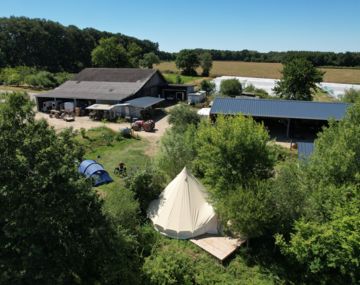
[
  {"x": 187, "y": 61},
  {"x": 52, "y": 229},
  {"x": 326, "y": 239},
  {"x": 232, "y": 152},
  {"x": 299, "y": 80},
  {"x": 149, "y": 60},
  {"x": 206, "y": 63},
  {"x": 109, "y": 53}
]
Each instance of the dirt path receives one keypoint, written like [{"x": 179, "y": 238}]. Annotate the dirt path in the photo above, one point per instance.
[{"x": 84, "y": 122}]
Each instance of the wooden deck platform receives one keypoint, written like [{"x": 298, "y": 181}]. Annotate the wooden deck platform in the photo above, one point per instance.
[{"x": 218, "y": 246}]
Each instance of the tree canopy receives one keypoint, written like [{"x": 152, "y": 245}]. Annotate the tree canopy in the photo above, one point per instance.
[
  {"x": 48, "y": 45},
  {"x": 206, "y": 63},
  {"x": 109, "y": 53},
  {"x": 325, "y": 240},
  {"x": 149, "y": 60},
  {"x": 187, "y": 61},
  {"x": 232, "y": 152},
  {"x": 52, "y": 229},
  {"x": 298, "y": 81}
]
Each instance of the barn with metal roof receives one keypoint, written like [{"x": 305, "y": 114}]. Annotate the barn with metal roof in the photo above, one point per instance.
[
  {"x": 106, "y": 86},
  {"x": 283, "y": 118}
]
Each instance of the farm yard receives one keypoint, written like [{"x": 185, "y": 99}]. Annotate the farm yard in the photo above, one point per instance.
[
  {"x": 126, "y": 163},
  {"x": 267, "y": 70}
]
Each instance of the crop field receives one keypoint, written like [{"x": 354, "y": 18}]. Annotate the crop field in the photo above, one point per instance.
[{"x": 267, "y": 70}]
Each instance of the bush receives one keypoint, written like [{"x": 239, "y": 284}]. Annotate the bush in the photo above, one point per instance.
[
  {"x": 351, "y": 96},
  {"x": 61, "y": 77},
  {"x": 23, "y": 75},
  {"x": 181, "y": 116},
  {"x": 261, "y": 93},
  {"x": 42, "y": 79},
  {"x": 230, "y": 87},
  {"x": 176, "y": 151},
  {"x": 15, "y": 76},
  {"x": 146, "y": 185},
  {"x": 207, "y": 86}
]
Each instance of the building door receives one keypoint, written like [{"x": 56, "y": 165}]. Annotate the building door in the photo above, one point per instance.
[{"x": 180, "y": 96}]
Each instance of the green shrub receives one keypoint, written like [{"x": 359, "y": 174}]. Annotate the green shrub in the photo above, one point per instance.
[
  {"x": 230, "y": 87},
  {"x": 146, "y": 184},
  {"x": 42, "y": 79}
]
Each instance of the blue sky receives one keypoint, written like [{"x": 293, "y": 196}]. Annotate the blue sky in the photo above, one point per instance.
[{"x": 326, "y": 25}]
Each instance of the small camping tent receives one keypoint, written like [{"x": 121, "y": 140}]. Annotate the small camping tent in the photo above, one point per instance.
[
  {"x": 95, "y": 171},
  {"x": 182, "y": 210}
]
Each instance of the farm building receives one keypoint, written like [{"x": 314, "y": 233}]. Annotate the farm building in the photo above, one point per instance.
[
  {"x": 197, "y": 97},
  {"x": 283, "y": 118},
  {"x": 111, "y": 86},
  {"x": 135, "y": 108},
  {"x": 177, "y": 92}
]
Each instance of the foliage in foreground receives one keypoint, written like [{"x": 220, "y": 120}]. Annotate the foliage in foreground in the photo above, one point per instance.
[
  {"x": 326, "y": 239},
  {"x": 178, "y": 262},
  {"x": 52, "y": 229}
]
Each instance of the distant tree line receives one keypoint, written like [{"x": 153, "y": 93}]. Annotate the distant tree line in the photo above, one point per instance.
[
  {"x": 51, "y": 46},
  {"x": 317, "y": 58}
]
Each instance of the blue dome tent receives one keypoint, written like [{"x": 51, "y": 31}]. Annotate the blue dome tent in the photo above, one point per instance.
[{"x": 95, "y": 171}]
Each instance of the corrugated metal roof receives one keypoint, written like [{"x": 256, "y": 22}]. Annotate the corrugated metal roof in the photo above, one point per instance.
[
  {"x": 305, "y": 149},
  {"x": 94, "y": 90},
  {"x": 144, "y": 102},
  {"x": 268, "y": 108}
]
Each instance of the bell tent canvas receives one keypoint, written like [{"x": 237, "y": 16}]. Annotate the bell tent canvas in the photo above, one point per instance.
[{"x": 182, "y": 210}]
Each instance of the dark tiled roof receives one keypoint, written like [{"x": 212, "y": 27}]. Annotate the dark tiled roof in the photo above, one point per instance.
[
  {"x": 291, "y": 109},
  {"x": 103, "y": 83},
  {"x": 94, "y": 90},
  {"x": 114, "y": 74}
]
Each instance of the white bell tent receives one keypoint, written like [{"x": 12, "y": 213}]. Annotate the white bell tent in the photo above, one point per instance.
[{"x": 182, "y": 210}]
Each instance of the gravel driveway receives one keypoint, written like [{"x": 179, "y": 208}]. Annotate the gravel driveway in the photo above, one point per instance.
[{"x": 84, "y": 122}]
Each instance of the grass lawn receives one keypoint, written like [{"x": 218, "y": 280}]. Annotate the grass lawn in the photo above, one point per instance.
[
  {"x": 171, "y": 78},
  {"x": 267, "y": 70},
  {"x": 129, "y": 151}
]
